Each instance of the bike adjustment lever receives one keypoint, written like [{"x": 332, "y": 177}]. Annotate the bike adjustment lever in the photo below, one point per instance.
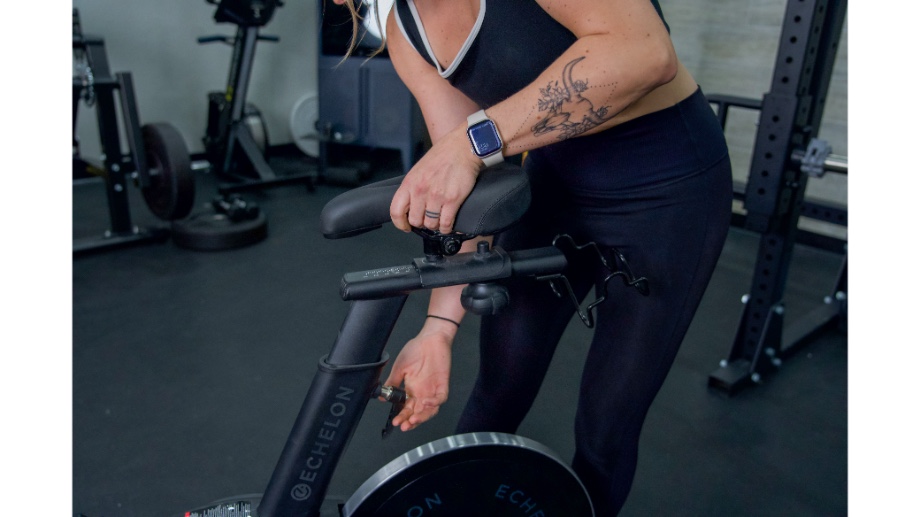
[{"x": 397, "y": 398}]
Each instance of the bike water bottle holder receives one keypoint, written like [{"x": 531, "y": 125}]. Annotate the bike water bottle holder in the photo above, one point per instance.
[{"x": 629, "y": 280}]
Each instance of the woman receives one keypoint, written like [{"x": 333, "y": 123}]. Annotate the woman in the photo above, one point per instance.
[{"x": 623, "y": 150}]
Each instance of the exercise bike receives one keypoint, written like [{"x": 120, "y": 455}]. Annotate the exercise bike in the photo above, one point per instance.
[
  {"x": 236, "y": 137},
  {"x": 481, "y": 474},
  {"x": 236, "y": 140}
]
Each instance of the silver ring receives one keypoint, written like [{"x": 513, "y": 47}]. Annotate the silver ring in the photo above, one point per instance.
[{"x": 433, "y": 215}]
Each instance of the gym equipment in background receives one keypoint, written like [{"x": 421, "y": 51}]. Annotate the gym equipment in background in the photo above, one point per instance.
[
  {"x": 362, "y": 102},
  {"x": 786, "y": 154},
  {"x": 236, "y": 141},
  {"x": 236, "y": 138},
  {"x": 471, "y": 474},
  {"x": 302, "y": 124},
  {"x": 158, "y": 160},
  {"x": 228, "y": 222}
]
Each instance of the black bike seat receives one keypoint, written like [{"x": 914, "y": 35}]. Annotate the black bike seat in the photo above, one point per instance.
[{"x": 499, "y": 198}]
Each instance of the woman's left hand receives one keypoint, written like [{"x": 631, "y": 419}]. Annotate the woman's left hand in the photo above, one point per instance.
[
  {"x": 423, "y": 367},
  {"x": 433, "y": 190}
]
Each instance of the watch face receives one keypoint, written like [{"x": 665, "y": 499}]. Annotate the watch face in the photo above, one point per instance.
[{"x": 484, "y": 137}]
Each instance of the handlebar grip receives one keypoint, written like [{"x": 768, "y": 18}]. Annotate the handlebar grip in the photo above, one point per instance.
[{"x": 266, "y": 37}]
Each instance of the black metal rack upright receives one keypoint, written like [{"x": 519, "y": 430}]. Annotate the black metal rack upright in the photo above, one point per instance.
[
  {"x": 103, "y": 88},
  {"x": 774, "y": 199},
  {"x": 157, "y": 160}
]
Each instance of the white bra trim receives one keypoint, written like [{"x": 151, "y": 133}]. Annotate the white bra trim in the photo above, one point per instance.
[{"x": 421, "y": 29}]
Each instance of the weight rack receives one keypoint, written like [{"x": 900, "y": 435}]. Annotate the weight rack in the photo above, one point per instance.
[
  {"x": 117, "y": 167},
  {"x": 774, "y": 197}
]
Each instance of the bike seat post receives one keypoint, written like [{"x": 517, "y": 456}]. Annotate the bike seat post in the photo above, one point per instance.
[
  {"x": 432, "y": 249},
  {"x": 344, "y": 383},
  {"x": 437, "y": 245}
]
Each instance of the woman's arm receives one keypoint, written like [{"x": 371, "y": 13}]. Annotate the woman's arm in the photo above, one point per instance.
[
  {"x": 444, "y": 108},
  {"x": 622, "y": 54},
  {"x": 424, "y": 362}
]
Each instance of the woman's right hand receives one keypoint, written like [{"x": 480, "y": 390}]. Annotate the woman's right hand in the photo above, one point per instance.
[
  {"x": 424, "y": 366},
  {"x": 431, "y": 193}
]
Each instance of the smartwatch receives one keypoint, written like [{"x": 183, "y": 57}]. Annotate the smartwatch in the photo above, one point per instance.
[{"x": 484, "y": 138}]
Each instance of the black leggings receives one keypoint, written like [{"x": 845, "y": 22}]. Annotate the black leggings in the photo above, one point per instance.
[{"x": 670, "y": 231}]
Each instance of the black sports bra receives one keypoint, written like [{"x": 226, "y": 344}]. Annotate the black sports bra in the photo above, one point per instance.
[{"x": 511, "y": 43}]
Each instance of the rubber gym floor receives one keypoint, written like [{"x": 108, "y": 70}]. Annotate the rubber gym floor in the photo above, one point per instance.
[{"x": 189, "y": 368}]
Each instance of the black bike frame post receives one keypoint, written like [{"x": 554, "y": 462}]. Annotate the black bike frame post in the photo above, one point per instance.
[
  {"x": 235, "y": 59},
  {"x": 241, "y": 70},
  {"x": 237, "y": 84},
  {"x": 337, "y": 398},
  {"x": 349, "y": 374}
]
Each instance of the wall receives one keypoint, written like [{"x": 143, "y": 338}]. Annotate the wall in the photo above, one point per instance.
[
  {"x": 157, "y": 42},
  {"x": 729, "y": 46}
]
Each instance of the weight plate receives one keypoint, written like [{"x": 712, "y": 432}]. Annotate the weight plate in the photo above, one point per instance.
[
  {"x": 211, "y": 231},
  {"x": 171, "y": 192},
  {"x": 481, "y": 474},
  {"x": 302, "y": 124}
]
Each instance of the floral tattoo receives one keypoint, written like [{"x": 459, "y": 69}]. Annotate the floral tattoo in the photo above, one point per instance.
[{"x": 568, "y": 112}]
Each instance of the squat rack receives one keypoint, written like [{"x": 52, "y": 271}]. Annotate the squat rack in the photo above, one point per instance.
[
  {"x": 157, "y": 161},
  {"x": 785, "y": 154}
]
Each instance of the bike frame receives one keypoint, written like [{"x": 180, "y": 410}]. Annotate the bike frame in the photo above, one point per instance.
[{"x": 348, "y": 376}]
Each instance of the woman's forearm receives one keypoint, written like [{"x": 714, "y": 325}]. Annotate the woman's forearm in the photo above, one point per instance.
[
  {"x": 589, "y": 88},
  {"x": 445, "y": 301}
]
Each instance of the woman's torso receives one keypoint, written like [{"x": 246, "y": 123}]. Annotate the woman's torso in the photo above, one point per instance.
[
  {"x": 492, "y": 49},
  {"x": 490, "y": 55}
]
